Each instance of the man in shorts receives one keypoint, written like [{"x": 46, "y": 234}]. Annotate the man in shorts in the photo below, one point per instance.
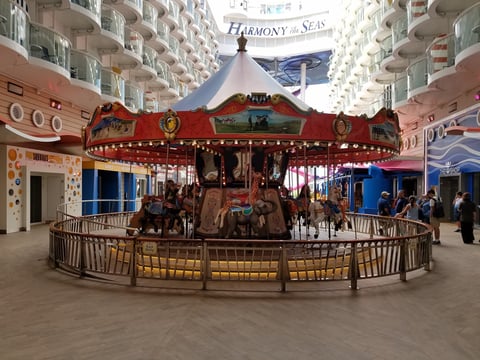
[{"x": 434, "y": 221}]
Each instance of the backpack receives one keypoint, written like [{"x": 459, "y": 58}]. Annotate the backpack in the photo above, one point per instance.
[{"x": 438, "y": 210}]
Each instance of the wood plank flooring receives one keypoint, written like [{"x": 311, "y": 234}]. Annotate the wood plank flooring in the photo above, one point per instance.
[{"x": 45, "y": 314}]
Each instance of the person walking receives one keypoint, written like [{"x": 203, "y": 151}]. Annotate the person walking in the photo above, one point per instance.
[
  {"x": 434, "y": 221},
  {"x": 384, "y": 209},
  {"x": 400, "y": 202},
  {"x": 468, "y": 211},
  {"x": 456, "y": 215}
]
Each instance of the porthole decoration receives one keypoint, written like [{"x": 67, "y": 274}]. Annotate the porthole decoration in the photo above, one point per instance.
[
  {"x": 441, "y": 131},
  {"x": 16, "y": 112},
  {"x": 478, "y": 117},
  {"x": 413, "y": 141},
  {"x": 38, "y": 119},
  {"x": 57, "y": 123},
  {"x": 452, "y": 123},
  {"x": 430, "y": 135},
  {"x": 406, "y": 144}
]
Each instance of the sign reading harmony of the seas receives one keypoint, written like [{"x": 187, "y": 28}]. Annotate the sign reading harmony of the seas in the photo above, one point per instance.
[{"x": 287, "y": 28}]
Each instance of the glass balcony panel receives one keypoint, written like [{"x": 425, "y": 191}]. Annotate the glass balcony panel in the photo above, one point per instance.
[
  {"x": 133, "y": 96},
  {"x": 162, "y": 69},
  {"x": 134, "y": 41},
  {"x": 400, "y": 90},
  {"x": 417, "y": 74},
  {"x": 399, "y": 29},
  {"x": 113, "y": 84},
  {"x": 94, "y": 6},
  {"x": 49, "y": 45},
  {"x": 467, "y": 28},
  {"x": 85, "y": 67},
  {"x": 415, "y": 9},
  {"x": 441, "y": 53},
  {"x": 14, "y": 23},
  {"x": 149, "y": 56},
  {"x": 150, "y": 14},
  {"x": 113, "y": 21}
]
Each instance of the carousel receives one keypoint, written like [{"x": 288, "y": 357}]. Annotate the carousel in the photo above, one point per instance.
[{"x": 239, "y": 133}]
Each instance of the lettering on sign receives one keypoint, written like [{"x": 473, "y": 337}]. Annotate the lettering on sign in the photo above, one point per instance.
[{"x": 149, "y": 248}]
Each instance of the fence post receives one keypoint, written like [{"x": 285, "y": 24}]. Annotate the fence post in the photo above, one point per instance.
[
  {"x": 371, "y": 227},
  {"x": 353, "y": 271},
  {"x": 205, "y": 260},
  {"x": 82, "y": 256},
  {"x": 133, "y": 264},
  {"x": 283, "y": 268},
  {"x": 403, "y": 260}
]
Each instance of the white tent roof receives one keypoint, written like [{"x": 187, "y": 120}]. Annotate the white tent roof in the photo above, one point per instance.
[{"x": 242, "y": 75}]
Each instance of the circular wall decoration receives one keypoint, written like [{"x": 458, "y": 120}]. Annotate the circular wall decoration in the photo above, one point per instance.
[
  {"x": 38, "y": 119},
  {"x": 406, "y": 144},
  {"x": 431, "y": 135},
  {"x": 413, "y": 141},
  {"x": 452, "y": 123},
  {"x": 57, "y": 123},
  {"x": 16, "y": 112},
  {"x": 478, "y": 117},
  {"x": 441, "y": 131}
]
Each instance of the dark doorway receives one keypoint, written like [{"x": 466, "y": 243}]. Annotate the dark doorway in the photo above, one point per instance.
[
  {"x": 35, "y": 199},
  {"x": 449, "y": 185}
]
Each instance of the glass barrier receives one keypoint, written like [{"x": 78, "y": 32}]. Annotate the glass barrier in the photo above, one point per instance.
[
  {"x": 415, "y": 9},
  {"x": 417, "y": 75},
  {"x": 94, "y": 6},
  {"x": 150, "y": 14},
  {"x": 467, "y": 28},
  {"x": 399, "y": 29},
  {"x": 400, "y": 90},
  {"x": 134, "y": 41},
  {"x": 50, "y": 46},
  {"x": 113, "y": 84},
  {"x": 114, "y": 22},
  {"x": 149, "y": 56},
  {"x": 133, "y": 96},
  {"x": 14, "y": 23},
  {"x": 441, "y": 53},
  {"x": 85, "y": 67}
]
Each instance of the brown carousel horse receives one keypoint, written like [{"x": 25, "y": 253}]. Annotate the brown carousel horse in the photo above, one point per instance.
[{"x": 155, "y": 213}]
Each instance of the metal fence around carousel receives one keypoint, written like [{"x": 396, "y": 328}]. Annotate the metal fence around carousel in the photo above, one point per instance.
[{"x": 98, "y": 247}]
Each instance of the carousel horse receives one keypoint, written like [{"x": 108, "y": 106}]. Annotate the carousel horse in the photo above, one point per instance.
[
  {"x": 189, "y": 202},
  {"x": 332, "y": 208},
  {"x": 317, "y": 215},
  {"x": 230, "y": 216},
  {"x": 153, "y": 213}
]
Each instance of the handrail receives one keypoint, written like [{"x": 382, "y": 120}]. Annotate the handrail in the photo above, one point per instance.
[{"x": 97, "y": 246}]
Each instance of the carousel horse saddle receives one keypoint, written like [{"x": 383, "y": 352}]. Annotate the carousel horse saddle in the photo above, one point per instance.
[
  {"x": 244, "y": 209},
  {"x": 155, "y": 208}
]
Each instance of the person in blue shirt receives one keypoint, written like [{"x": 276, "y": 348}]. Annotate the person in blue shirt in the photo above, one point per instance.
[{"x": 384, "y": 209}]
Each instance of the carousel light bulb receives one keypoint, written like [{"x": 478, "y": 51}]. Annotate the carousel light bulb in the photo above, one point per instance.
[
  {"x": 355, "y": 146},
  {"x": 208, "y": 142},
  {"x": 278, "y": 142},
  {"x": 222, "y": 141},
  {"x": 249, "y": 142},
  {"x": 121, "y": 145},
  {"x": 150, "y": 143},
  {"x": 236, "y": 142},
  {"x": 129, "y": 144}
]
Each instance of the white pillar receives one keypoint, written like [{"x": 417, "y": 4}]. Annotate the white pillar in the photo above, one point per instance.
[{"x": 303, "y": 77}]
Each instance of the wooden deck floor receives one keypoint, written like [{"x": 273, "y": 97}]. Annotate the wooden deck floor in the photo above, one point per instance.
[{"x": 45, "y": 314}]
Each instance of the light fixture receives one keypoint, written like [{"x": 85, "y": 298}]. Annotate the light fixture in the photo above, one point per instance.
[
  {"x": 55, "y": 104},
  {"x": 477, "y": 96},
  {"x": 431, "y": 117}
]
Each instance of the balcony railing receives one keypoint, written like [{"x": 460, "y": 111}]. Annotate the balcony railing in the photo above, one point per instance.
[
  {"x": 48, "y": 45},
  {"x": 467, "y": 28},
  {"x": 14, "y": 23},
  {"x": 85, "y": 67}
]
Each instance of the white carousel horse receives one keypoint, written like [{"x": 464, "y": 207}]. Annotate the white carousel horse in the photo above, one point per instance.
[{"x": 317, "y": 215}]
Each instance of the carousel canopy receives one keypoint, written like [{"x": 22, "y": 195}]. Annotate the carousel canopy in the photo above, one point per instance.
[{"x": 240, "y": 75}]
